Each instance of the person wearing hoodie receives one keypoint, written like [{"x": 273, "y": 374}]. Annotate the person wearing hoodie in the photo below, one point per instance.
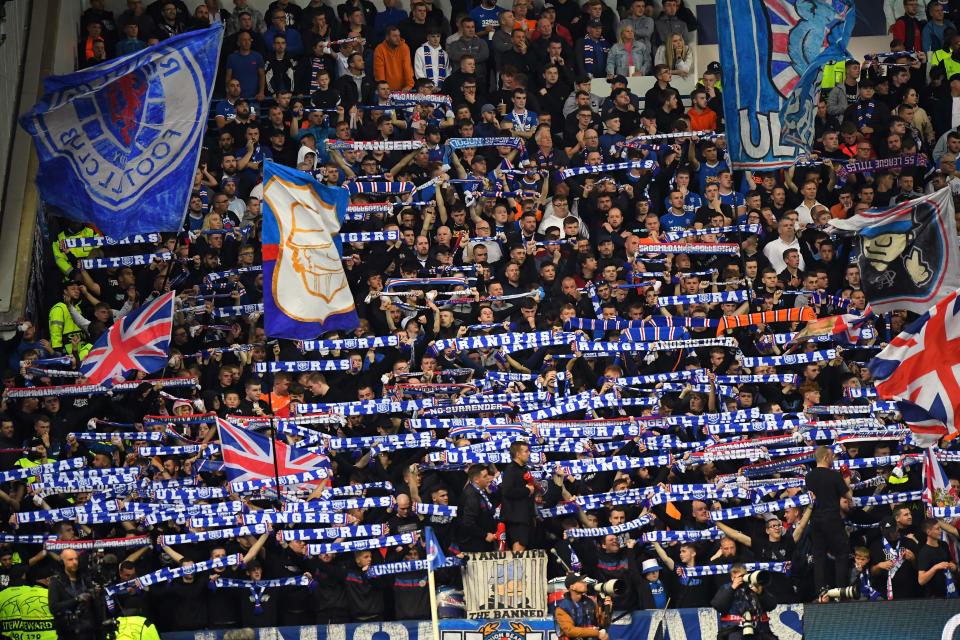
[{"x": 392, "y": 61}]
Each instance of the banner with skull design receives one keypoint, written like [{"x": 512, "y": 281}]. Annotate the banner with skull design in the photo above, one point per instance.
[
  {"x": 305, "y": 291},
  {"x": 907, "y": 253}
]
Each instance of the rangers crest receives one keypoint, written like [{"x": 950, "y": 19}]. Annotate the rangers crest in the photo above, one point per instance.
[{"x": 119, "y": 142}]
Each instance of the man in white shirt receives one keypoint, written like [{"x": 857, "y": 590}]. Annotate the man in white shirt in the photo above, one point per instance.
[
  {"x": 431, "y": 61},
  {"x": 787, "y": 239},
  {"x": 805, "y": 208}
]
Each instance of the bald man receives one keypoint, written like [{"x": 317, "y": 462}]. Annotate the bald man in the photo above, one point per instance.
[{"x": 71, "y": 600}]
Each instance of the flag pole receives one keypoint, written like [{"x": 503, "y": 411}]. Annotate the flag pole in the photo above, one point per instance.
[
  {"x": 434, "y": 617},
  {"x": 273, "y": 446},
  {"x": 433, "y": 555}
]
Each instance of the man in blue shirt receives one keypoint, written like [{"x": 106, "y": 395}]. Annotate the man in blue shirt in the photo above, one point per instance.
[
  {"x": 387, "y": 18},
  {"x": 728, "y": 195},
  {"x": 676, "y": 218},
  {"x": 247, "y": 67},
  {"x": 711, "y": 165},
  {"x": 487, "y": 17},
  {"x": 278, "y": 26}
]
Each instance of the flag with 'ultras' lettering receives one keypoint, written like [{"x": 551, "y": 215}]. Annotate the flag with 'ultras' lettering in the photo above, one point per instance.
[
  {"x": 119, "y": 142},
  {"x": 767, "y": 47},
  {"x": 305, "y": 291},
  {"x": 907, "y": 253}
]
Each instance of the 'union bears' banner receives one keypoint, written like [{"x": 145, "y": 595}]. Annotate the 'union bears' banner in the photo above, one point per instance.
[
  {"x": 119, "y": 142},
  {"x": 305, "y": 291},
  {"x": 908, "y": 253},
  {"x": 773, "y": 53}
]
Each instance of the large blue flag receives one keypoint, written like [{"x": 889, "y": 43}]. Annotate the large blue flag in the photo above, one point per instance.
[
  {"x": 119, "y": 142},
  {"x": 305, "y": 290},
  {"x": 773, "y": 53}
]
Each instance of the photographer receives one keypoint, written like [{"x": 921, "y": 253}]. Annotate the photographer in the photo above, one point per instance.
[
  {"x": 578, "y": 615},
  {"x": 70, "y": 598},
  {"x": 743, "y": 605}
]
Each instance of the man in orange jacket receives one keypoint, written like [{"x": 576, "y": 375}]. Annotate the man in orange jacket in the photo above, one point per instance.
[
  {"x": 702, "y": 117},
  {"x": 578, "y": 615},
  {"x": 392, "y": 62}
]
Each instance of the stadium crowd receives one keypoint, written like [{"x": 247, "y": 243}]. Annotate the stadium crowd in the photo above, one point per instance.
[{"x": 540, "y": 246}]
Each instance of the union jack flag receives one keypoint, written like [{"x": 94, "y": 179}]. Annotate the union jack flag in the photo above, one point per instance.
[
  {"x": 921, "y": 369},
  {"x": 783, "y": 18},
  {"x": 248, "y": 455},
  {"x": 139, "y": 342}
]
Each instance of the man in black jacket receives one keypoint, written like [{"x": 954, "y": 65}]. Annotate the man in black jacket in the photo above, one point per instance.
[
  {"x": 70, "y": 598},
  {"x": 477, "y": 526},
  {"x": 518, "y": 509}
]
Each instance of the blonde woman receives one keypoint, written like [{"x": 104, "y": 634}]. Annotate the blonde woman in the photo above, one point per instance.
[
  {"x": 921, "y": 121},
  {"x": 628, "y": 57},
  {"x": 678, "y": 56}
]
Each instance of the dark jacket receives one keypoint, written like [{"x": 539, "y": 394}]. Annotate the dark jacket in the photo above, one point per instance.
[
  {"x": 72, "y": 616},
  {"x": 518, "y": 505},
  {"x": 475, "y": 520}
]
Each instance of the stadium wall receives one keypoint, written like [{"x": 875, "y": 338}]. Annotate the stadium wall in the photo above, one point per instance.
[
  {"x": 896, "y": 620},
  {"x": 41, "y": 40}
]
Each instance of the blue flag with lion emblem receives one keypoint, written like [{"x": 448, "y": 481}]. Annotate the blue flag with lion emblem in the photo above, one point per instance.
[
  {"x": 119, "y": 142},
  {"x": 774, "y": 53}
]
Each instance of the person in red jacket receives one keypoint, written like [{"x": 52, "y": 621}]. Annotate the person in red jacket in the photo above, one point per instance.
[{"x": 907, "y": 28}]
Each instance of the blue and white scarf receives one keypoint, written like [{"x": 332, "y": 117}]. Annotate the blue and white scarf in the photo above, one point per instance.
[
  {"x": 722, "y": 569},
  {"x": 605, "y": 168},
  {"x": 297, "y": 478},
  {"x": 168, "y": 574},
  {"x": 216, "y": 534},
  {"x": 360, "y": 531},
  {"x": 673, "y": 236},
  {"x": 746, "y": 511},
  {"x": 349, "y": 344},
  {"x": 704, "y": 298},
  {"x": 356, "y": 489},
  {"x": 107, "y": 241},
  {"x": 362, "y": 545},
  {"x": 43, "y": 469},
  {"x": 408, "y": 566},
  {"x": 503, "y": 141},
  {"x": 302, "y": 366},
  {"x": 789, "y": 359},
  {"x": 258, "y": 588},
  {"x": 599, "y": 532},
  {"x": 668, "y": 345},
  {"x": 117, "y": 262},
  {"x": 369, "y": 407},
  {"x": 683, "y": 536}
]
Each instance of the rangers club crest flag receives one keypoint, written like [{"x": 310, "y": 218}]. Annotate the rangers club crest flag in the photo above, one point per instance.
[
  {"x": 774, "y": 52},
  {"x": 921, "y": 368},
  {"x": 119, "y": 142},
  {"x": 907, "y": 253},
  {"x": 137, "y": 342},
  {"x": 305, "y": 290},
  {"x": 249, "y": 456}
]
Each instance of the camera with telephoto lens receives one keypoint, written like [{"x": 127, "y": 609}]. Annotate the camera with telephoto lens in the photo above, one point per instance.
[
  {"x": 757, "y": 578},
  {"x": 842, "y": 594},
  {"x": 610, "y": 588},
  {"x": 747, "y": 628}
]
